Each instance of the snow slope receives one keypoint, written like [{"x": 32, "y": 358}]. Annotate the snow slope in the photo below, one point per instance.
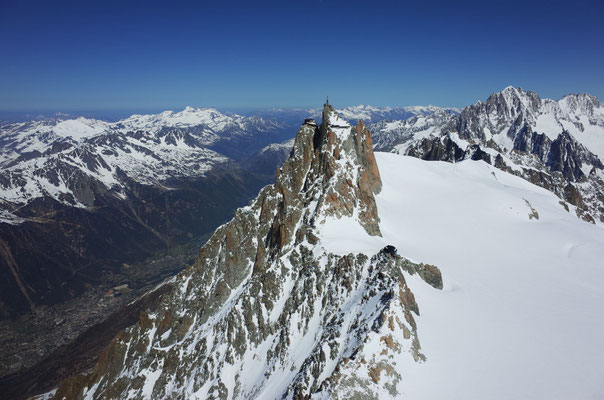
[{"x": 520, "y": 315}]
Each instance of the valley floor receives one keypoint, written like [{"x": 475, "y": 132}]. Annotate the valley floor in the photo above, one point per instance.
[
  {"x": 520, "y": 315},
  {"x": 29, "y": 344}
]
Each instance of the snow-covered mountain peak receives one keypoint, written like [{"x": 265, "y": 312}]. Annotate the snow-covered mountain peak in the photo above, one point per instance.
[
  {"x": 188, "y": 117},
  {"x": 80, "y": 128},
  {"x": 511, "y": 102},
  {"x": 516, "y": 92},
  {"x": 48, "y": 129}
]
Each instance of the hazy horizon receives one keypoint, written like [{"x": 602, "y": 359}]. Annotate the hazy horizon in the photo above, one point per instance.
[
  {"x": 118, "y": 114},
  {"x": 64, "y": 56}
]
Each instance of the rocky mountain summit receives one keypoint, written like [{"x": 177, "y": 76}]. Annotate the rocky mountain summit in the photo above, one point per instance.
[
  {"x": 558, "y": 145},
  {"x": 266, "y": 311}
]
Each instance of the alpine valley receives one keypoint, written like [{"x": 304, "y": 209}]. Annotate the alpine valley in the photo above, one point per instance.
[
  {"x": 88, "y": 206},
  {"x": 462, "y": 259}
]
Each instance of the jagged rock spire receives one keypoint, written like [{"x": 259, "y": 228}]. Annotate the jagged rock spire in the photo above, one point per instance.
[{"x": 179, "y": 347}]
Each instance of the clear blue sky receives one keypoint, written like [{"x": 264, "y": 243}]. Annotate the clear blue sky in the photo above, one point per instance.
[{"x": 137, "y": 55}]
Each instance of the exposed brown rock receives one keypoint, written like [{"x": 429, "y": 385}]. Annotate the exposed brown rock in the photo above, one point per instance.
[
  {"x": 533, "y": 214},
  {"x": 429, "y": 273},
  {"x": 331, "y": 172},
  {"x": 389, "y": 342}
]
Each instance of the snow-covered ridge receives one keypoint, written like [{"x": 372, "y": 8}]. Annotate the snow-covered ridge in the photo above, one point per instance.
[
  {"x": 36, "y": 135},
  {"x": 581, "y": 115},
  {"x": 190, "y": 116}
]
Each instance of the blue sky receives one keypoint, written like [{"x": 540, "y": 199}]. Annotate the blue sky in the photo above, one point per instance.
[{"x": 135, "y": 55}]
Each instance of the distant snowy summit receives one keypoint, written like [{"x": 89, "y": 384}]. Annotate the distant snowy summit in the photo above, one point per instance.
[{"x": 556, "y": 144}]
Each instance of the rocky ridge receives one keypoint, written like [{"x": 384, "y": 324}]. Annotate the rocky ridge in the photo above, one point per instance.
[{"x": 265, "y": 310}]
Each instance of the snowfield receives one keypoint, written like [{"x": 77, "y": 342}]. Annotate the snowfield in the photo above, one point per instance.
[{"x": 520, "y": 315}]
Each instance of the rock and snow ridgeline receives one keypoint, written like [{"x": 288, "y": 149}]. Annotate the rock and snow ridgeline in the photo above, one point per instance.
[
  {"x": 296, "y": 297},
  {"x": 265, "y": 311}
]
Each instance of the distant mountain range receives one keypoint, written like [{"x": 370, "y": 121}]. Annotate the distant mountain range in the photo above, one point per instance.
[
  {"x": 90, "y": 166},
  {"x": 352, "y": 113},
  {"x": 50, "y": 157}
]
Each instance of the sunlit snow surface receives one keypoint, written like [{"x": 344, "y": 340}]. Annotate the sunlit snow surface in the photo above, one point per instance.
[{"x": 520, "y": 315}]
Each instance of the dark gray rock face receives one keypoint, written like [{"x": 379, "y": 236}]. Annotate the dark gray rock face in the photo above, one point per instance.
[
  {"x": 441, "y": 149},
  {"x": 264, "y": 310},
  {"x": 506, "y": 109},
  {"x": 568, "y": 157}
]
